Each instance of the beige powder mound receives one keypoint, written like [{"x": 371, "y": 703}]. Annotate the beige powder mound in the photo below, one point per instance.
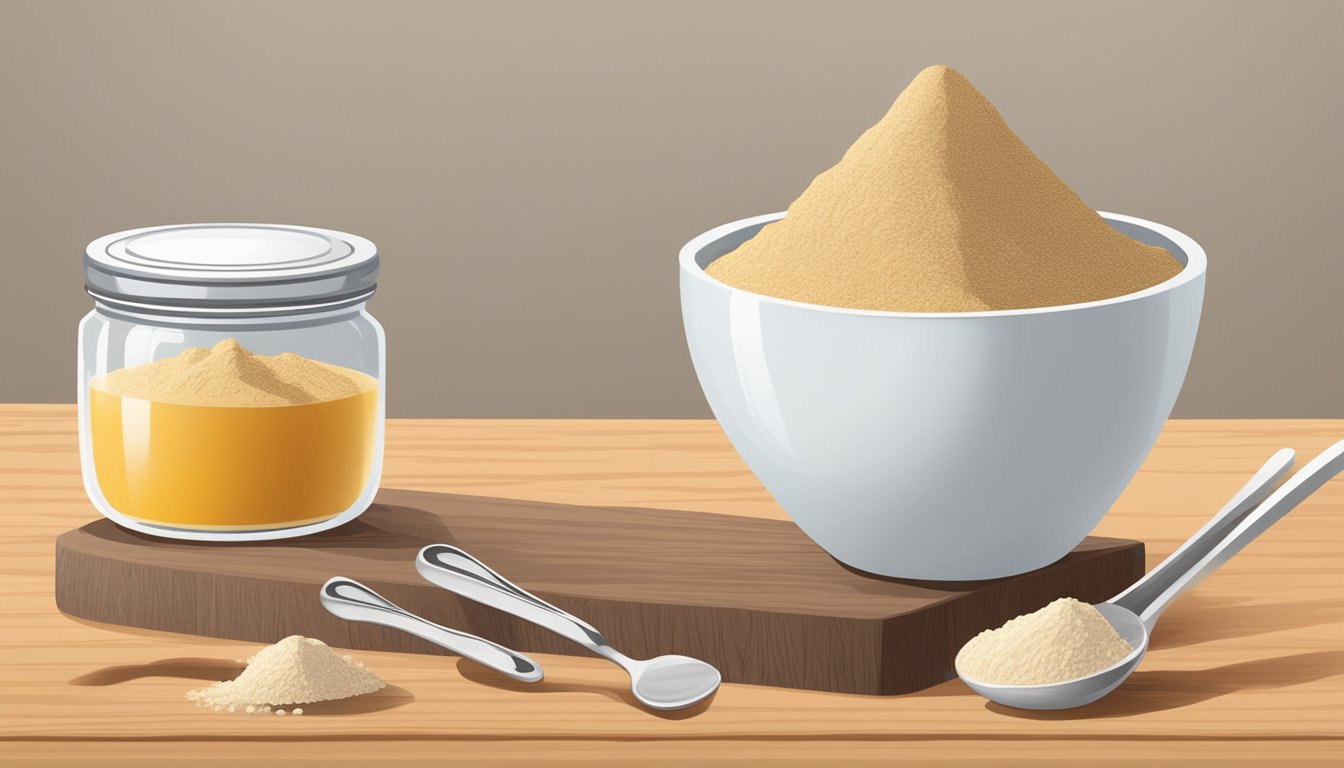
[
  {"x": 940, "y": 207},
  {"x": 231, "y": 376},
  {"x": 296, "y": 670},
  {"x": 1064, "y": 640}
]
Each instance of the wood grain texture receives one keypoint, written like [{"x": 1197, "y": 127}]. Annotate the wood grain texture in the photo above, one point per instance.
[
  {"x": 1248, "y": 666},
  {"x": 755, "y": 598}
]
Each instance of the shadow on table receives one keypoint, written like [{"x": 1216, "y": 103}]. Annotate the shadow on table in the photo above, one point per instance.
[
  {"x": 478, "y": 673},
  {"x": 1197, "y": 618},
  {"x": 1158, "y": 691},
  {"x": 217, "y": 669},
  {"x": 191, "y": 668}
]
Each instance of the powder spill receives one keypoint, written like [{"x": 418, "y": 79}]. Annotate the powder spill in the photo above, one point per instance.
[
  {"x": 1066, "y": 639},
  {"x": 229, "y": 375},
  {"x": 296, "y": 670},
  {"x": 940, "y": 207}
]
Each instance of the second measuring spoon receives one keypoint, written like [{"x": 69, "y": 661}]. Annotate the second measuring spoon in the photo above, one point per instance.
[
  {"x": 665, "y": 682},
  {"x": 351, "y": 600}
]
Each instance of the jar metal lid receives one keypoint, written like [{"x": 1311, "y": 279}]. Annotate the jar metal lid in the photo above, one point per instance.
[{"x": 230, "y": 268}]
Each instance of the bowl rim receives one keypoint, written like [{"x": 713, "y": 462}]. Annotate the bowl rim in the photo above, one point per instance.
[{"x": 1195, "y": 266}]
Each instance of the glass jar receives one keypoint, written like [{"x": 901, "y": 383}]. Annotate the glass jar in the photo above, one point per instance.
[{"x": 231, "y": 383}]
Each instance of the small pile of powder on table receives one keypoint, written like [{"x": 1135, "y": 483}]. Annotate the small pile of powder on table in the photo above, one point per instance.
[
  {"x": 1066, "y": 639},
  {"x": 296, "y": 670},
  {"x": 940, "y": 207},
  {"x": 229, "y": 375}
]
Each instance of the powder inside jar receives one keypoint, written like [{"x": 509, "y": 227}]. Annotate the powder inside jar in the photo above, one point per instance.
[
  {"x": 1066, "y": 639},
  {"x": 223, "y": 439},
  {"x": 940, "y": 207},
  {"x": 228, "y": 375}
]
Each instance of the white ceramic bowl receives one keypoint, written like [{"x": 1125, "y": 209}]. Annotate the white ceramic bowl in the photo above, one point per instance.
[{"x": 943, "y": 446}]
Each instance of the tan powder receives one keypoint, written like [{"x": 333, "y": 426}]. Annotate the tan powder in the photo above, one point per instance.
[
  {"x": 1064, "y": 640},
  {"x": 229, "y": 375},
  {"x": 940, "y": 207},
  {"x": 296, "y": 670}
]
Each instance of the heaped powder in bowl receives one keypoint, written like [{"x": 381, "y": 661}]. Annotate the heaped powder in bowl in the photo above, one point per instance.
[{"x": 940, "y": 207}]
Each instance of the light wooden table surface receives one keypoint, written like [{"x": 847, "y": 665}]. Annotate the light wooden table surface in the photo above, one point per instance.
[{"x": 1249, "y": 667}]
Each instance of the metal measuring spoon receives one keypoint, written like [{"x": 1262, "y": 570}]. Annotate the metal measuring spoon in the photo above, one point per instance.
[
  {"x": 665, "y": 682},
  {"x": 1133, "y": 613},
  {"x": 351, "y": 600}
]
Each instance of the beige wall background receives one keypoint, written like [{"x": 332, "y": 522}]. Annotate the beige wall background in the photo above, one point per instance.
[{"x": 530, "y": 169}]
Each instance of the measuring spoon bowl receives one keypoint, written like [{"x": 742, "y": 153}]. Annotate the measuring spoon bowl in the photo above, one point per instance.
[{"x": 1079, "y": 691}]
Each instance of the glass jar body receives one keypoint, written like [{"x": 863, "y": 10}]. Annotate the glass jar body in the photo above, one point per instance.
[{"x": 188, "y": 470}]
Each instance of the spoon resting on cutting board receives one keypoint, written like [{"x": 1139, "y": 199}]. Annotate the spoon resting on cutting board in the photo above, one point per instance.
[
  {"x": 353, "y": 601},
  {"x": 666, "y": 682}
]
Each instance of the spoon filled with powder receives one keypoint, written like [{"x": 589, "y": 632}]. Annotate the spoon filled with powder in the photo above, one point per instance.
[{"x": 1069, "y": 653}]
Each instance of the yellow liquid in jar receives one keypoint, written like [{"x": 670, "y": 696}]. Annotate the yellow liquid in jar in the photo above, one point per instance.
[{"x": 233, "y": 468}]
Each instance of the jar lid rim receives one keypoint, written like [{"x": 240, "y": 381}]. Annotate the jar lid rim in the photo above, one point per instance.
[{"x": 237, "y": 264}]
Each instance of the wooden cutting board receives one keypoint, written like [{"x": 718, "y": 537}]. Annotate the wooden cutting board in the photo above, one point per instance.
[{"x": 756, "y": 598}]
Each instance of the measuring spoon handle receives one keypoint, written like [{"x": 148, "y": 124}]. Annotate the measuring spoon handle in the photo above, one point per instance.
[
  {"x": 1143, "y": 592},
  {"x": 351, "y": 600},
  {"x": 456, "y": 571},
  {"x": 1305, "y": 482}
]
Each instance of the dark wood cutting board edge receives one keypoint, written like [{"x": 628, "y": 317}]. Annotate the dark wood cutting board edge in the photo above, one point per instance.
[{"x": 754, "y": 597}]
